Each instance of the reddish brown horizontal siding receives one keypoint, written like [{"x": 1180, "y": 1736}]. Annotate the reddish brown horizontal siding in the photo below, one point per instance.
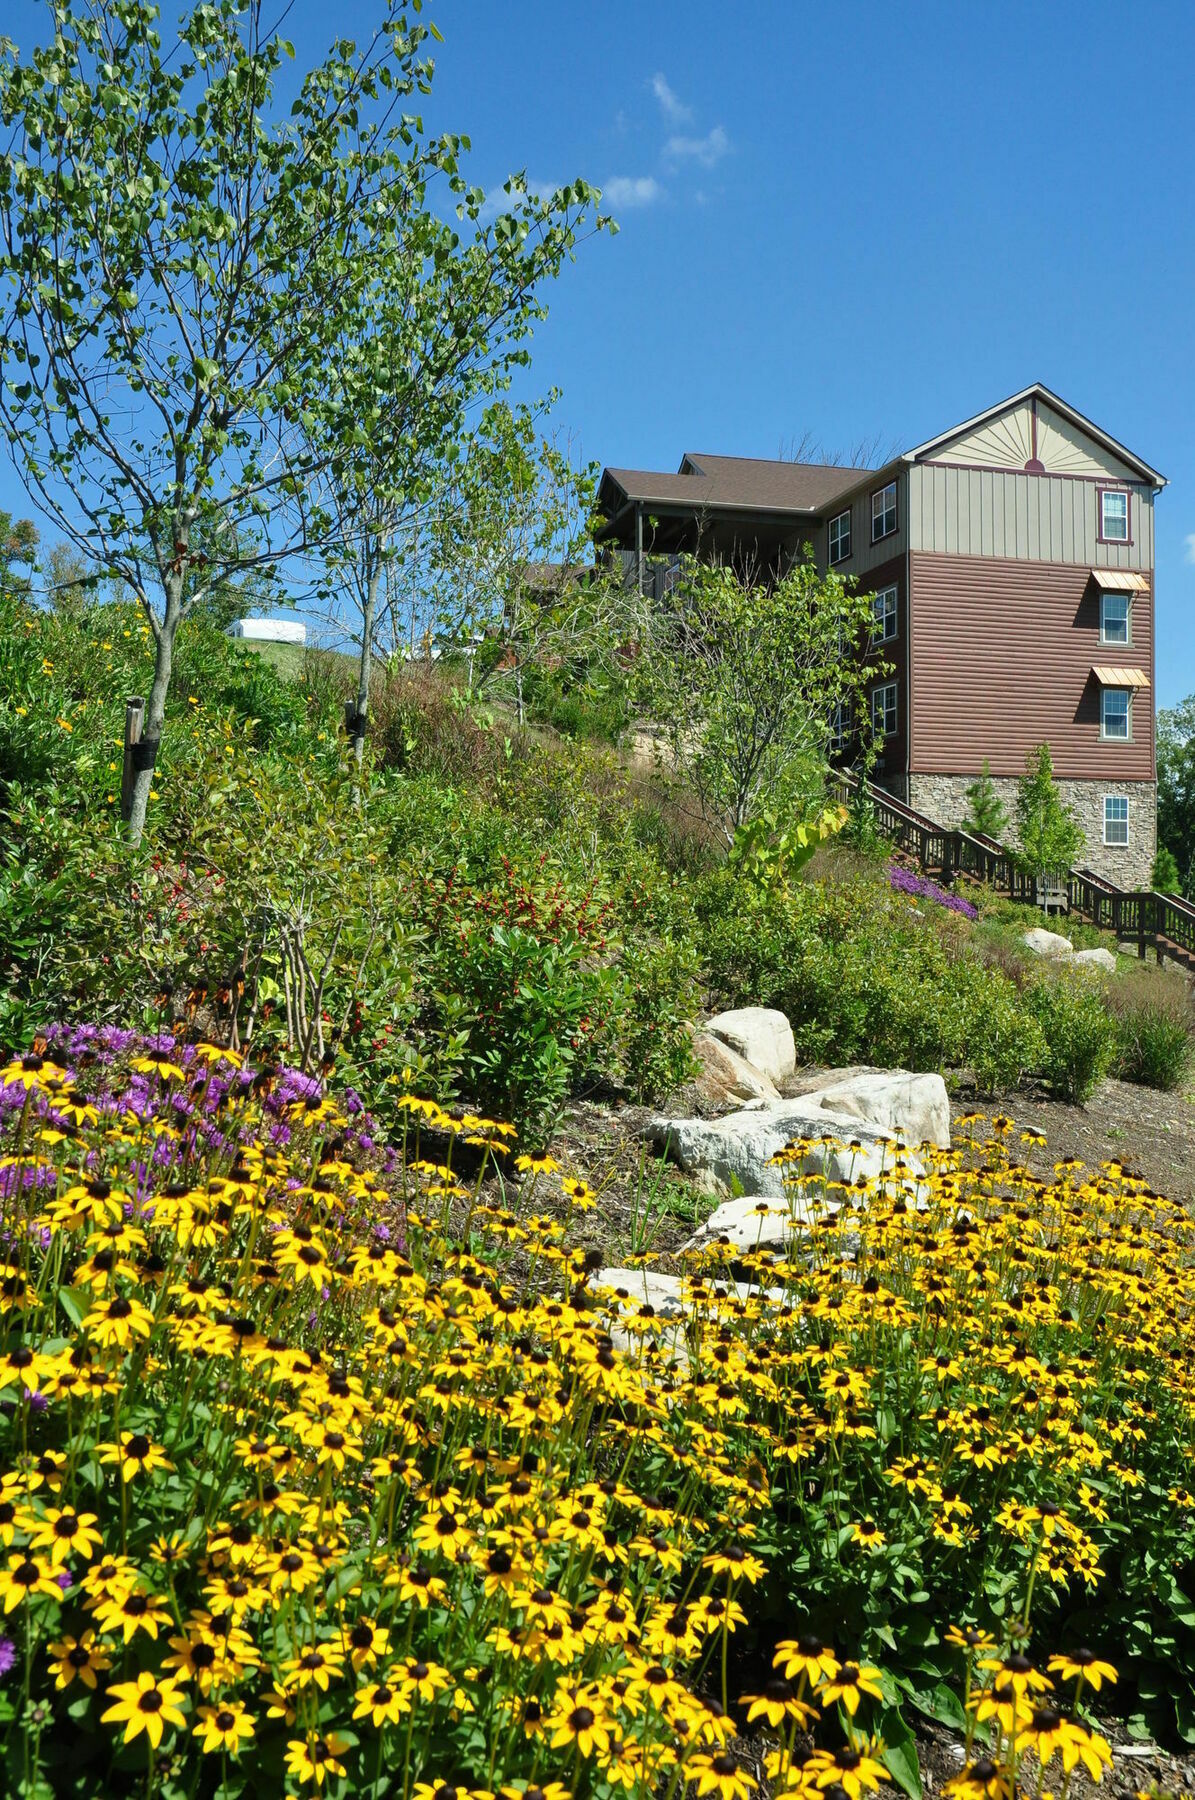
[{"x": 1002, "y": 659}]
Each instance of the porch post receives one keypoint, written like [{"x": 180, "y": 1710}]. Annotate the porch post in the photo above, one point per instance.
[{"x": 639, "y": 548}]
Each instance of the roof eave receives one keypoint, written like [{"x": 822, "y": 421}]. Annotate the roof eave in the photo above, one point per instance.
[{"x": 1038, "y": 390}]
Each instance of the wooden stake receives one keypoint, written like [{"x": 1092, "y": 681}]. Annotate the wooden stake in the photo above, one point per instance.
[{"x": 134, "y": 718}]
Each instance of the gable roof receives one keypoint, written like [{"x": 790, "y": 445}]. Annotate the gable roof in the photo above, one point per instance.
[
  {"x": 1038, "y": 391},
  {"x": 748, "y": 483}
]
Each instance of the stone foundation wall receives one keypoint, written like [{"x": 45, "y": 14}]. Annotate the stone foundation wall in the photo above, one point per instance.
[{"x": 943, "y": 798}]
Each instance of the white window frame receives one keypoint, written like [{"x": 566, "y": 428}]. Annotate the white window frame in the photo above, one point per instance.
[
  {"x": 884, "y": 612},
  {"x": 1116, "y": 737},
  {"x": 883, "y": 703},
  {"x": 1105, "y": 599},
  {"x": 1122, "y": 819},
  {"x": 837, "y": 730},
  {"x": 839, "y": 555},
  {"x": 1118, "y": 536},
  {"x": 885, "y": 518}
]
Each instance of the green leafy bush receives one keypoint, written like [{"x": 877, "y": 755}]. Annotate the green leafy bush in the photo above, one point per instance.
[
  {"x": 660, "y": 998},
  {"x": 1077, "y": 1030}
]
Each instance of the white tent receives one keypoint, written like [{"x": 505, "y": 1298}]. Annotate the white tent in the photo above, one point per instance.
[{"x": 270, "y": 631}]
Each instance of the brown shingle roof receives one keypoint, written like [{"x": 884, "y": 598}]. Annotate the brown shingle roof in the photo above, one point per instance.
[{"x": 741, "y": 481}]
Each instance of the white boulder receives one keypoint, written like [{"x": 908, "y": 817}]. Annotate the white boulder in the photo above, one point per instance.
[
  {"x": 761, "y": 1036},
  {"x": 724, "y": 1075},
  {"x": 1046, "y": 943},
  {"x": 1092, "y": 959},
  {"x": 867, "y": 1114}
]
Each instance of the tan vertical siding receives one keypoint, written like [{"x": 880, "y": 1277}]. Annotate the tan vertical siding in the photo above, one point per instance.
[
  {"x": 1002, "y": 658},
  {"x": 957, "y": 511}
]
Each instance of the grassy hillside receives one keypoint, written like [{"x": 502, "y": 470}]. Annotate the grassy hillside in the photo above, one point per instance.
[{"x": 509, "y": 917}]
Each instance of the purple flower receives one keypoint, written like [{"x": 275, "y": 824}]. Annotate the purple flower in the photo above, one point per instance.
[
  {"x": 8, "y": 1656},
  {"x": 37, "y": 1401},
  {"x": 65, "y": 1580},
  {"x": 903, "y": 881}
]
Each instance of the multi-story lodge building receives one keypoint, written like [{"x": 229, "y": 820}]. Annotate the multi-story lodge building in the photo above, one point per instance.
[{"x": 1011, "y": 560}]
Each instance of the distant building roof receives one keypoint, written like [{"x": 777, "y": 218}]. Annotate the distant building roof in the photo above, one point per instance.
[{"x": 749, "y": 483}]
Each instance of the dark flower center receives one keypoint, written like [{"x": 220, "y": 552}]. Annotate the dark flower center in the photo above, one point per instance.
[
  {"x": 581, "y": 1718},
  {"x": 150, "y": 1701},
  {"x": 225, "y": 1720}
]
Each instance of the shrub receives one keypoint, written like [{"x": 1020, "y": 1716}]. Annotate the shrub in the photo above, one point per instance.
[
  {"x": 660, "y": 998},
  {"x": 1072, "y": 1011},
  {"x": 998, "y": 1038},
  {"x": 1153, "y": 1026},
  {"x": 1164, "y": 877}
]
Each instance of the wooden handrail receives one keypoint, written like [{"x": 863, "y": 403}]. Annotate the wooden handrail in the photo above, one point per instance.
[{"x": 1162, "y": 922}]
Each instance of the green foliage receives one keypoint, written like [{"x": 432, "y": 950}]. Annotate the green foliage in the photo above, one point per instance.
[
  {"x": 1176, "y": 787},
  {"x": 1164, "y": 875},
  {"x": 986, "y": 813},
  {"x": 742, "y": 678},
  {"x": 1050, "y": 836},
  {"x": 661, "y": 997},
  {"x": 1072, "y": 1011},
  {"x": 767, "y": 851},
  {"x": 1153, "y": 1024},
  {"x": 18, "y": 546}
]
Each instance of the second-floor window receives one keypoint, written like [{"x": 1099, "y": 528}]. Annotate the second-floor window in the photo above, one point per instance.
[
  {"x": 1115, "y": 619},
  {"x": 883, "y": 710},
  {"x": 840, "y": 536},
  {"x": 1114, "y": 516},
  {"x": 884, "y": 609},
  {"x": 837, "y": 731},
  {"x": 1115, "y": 712},
  {"x": 883, "y": 512}
]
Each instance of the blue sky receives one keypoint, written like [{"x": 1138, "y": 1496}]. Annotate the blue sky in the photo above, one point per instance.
[{"x": 857, "y": 221}]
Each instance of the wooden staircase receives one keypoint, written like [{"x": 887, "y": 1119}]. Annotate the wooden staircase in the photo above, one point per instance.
[{"x": 1163, "y": 923}]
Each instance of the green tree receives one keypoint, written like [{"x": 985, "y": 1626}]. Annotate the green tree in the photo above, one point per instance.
[
  {"x": 1164, "y": 876},
  {"x": 18, "y": 548},
  {"x": 445, "y": 318},
  {"x": 986, "y": 813},
  {"x": 185, "y": 262},
  {"x": 1176, "y": 788},
  {"x": 741, "y": 679},
  {"x": 1050, "y": 835}
]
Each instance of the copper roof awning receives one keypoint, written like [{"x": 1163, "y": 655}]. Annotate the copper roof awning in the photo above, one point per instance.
[
  {"x": 1121, "y": 581},
  {"x": 1120, "y": 678}
]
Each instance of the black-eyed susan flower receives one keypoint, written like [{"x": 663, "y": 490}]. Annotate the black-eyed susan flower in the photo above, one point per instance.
[
  {"x": 136, "y": 1454},
  {"x": 315, "y": 1759},
  {"x": 223, "y": 1729},
  {"x": 1083, "y": 1666},
  {"x": 381, "y": 1704},
  {"x": 80, "y": 1658},
  {"x": 26, "y": 1577},
  {"x": 849, "y": 1685},
  {"x": 64, "y": 1533},
  {"x": 145, "y": 1705},
  {"x": 719, "y": 1773},
  {"x": 808, "y": 1656}
]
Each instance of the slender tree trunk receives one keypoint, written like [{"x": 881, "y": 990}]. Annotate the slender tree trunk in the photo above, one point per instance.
[
  {"x": 155, "y": 712},
  {"x": 365, "y": 665}
]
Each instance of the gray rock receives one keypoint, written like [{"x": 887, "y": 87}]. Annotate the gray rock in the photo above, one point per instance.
[
  {"x": 761, "y": 1036},
  {"x": 1046, "y": 943},
  {"x": 915, "y": 1107},
  {"x": 1091, "y": 959},
  {"x": 726, "y": 1077}
]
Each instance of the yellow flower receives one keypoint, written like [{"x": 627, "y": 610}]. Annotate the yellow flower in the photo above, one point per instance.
[
  {"x": 144, "y": 1705},
  {"x": 849, "y": 1686},
  {"x": 65, "y": 1533},
  {"x": 314, "y": 1759},
  {"x": 721, "y": 1774},
  {"x": 81, "y": 1657},
  {"x": 26, "y": 1576},
  {"x": 223, "y": 1728}
]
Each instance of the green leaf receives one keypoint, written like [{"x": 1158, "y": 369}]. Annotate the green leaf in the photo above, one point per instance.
[
  {"x": 74, "y": 1303},
  {"x": 900, "y": 1752}
]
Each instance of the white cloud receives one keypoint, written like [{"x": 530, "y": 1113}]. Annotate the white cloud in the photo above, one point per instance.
[
  {"x": 1189, "y": 542},
  {"x": 631, "y": 190},
  {"x": 706, "y": 150},
  {"x": 672, "y": 106}
]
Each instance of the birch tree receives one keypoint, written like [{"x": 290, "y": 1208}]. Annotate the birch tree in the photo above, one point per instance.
[{"x": 185, "y": 262}]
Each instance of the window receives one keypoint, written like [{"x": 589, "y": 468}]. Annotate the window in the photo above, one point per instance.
[
  {"x": 837, "y": 731},
  {"x": 1114, "y": 516},
  {"x": 884, "y": 608},
  {"x": 1115, "y": 713},
  {"x": 1115, "y": 619},
  {"x": 840, "y": 536},
  {"x": 883, "y": 512},
  {"x": 883, "y": 710},
  {"x": 1116, "y": 819}
]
